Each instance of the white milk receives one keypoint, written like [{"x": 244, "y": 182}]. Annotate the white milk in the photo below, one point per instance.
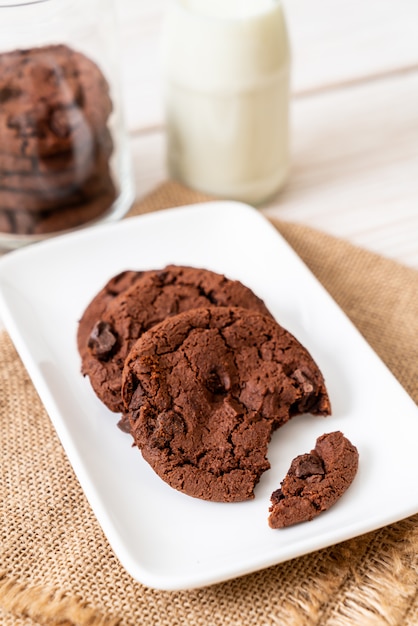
[{"x": 226, "y": 78}]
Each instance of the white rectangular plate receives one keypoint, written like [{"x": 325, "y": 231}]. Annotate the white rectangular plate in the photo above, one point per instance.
[{"x": 164, "y": 538}]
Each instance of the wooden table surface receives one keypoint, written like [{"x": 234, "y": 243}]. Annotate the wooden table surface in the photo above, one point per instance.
[{"x": 354, "y": 116}]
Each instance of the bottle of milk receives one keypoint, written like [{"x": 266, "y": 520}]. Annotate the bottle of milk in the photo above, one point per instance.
[{"x": 226, "y": 93}]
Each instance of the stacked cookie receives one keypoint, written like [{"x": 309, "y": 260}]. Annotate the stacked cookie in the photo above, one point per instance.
[
  {"x": 201, "y": 372},
  {"x": 55, "y": 142}
]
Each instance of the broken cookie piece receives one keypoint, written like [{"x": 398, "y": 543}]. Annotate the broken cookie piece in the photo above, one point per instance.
[{"x": 315, "y": 481}]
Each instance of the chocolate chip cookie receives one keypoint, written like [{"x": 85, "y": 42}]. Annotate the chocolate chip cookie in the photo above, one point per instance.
[
  {"x": 51, "y": 98},
  {"x": 205, "y": 389},
  {"x": 57, "y": 219},
  {"x": 315, "y": 481},
  {"x": 151, "y": 299},
  {"x": 59, "y": 181},
  {"x": 50, "y": 199}
]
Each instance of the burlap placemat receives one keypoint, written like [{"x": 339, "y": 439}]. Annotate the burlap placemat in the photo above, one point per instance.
[{"x": 56, "y": 566}]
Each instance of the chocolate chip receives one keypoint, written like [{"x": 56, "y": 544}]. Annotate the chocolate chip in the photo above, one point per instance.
[
  {"x": 102, "y": 340},
  {"x": 218, "y": 384},
  {"x": 276, "y": 496},
  {"x": 307, "y": 465},
  {"x": 301, "y": 378},
  {"x": 124, "y": 424},
  {"x": 167, "y": 425},
  {"x": 9, "y": 93},
  {"x": 161, "y": 277},
  {"x": 309, "y": 403},
  {"x": 138, "y": 396}
]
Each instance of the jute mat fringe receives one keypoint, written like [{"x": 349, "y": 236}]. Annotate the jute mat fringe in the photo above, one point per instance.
[
  {"x": 56, "y": 566},
  {"x": 49, "y": 607}
]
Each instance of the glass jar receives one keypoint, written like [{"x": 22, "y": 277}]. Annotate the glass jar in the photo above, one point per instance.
[
  {"x": 226, "y": 66},
  {"x": 64, "y": 156}
]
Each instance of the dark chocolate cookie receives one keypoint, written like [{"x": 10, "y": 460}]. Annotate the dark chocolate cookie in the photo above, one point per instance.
[
  {"x": 150, "y": 300},
  {"x": 50, "y": 199},
  {"x": 59, "y": 182},
  {"x": 78, "y": 160},
  {"x": 73, "y": 216},
  {"x": 205, "y": 389},
  {"x": 52, "y": 98},
  {"x": 315, "y": 481},
  {"x": 21, "y": 222}
]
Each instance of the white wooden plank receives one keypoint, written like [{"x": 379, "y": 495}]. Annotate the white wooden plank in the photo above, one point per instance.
[
  {"x": 336, "y": 41},
  {"x": 355, "y": 166},
  {"x": 333, "y": 42},
  {"x": 139, "y": 25},
  {"x": 148, "y": 157}
]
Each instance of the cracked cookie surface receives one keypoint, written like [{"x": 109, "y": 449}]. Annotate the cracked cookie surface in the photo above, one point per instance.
[
  {"x": 315, "y": 481},
  {"x": 151, "y": 299},
  {"x": 99, "y": 303},
  {"x": 205, "y": 389}
]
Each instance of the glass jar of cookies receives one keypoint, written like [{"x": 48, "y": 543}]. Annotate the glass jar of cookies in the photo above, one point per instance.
[{"x": 64, "y": 157}]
